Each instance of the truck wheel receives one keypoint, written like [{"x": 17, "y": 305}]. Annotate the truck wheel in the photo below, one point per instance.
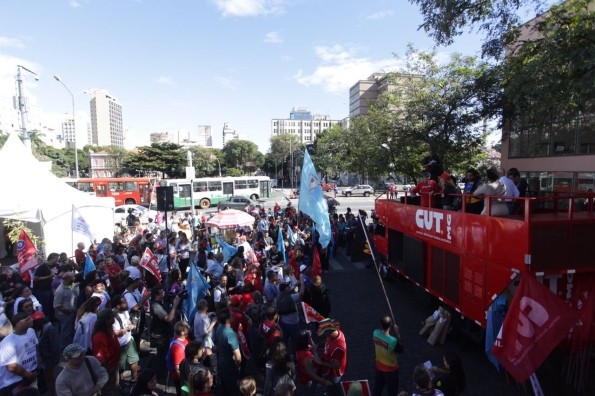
[
  {"x": 366, "y": 194},
  {"x": 254, "y": 197},
  {"x": 130, "y": 201},
  {"x": 205, "y": 203}
]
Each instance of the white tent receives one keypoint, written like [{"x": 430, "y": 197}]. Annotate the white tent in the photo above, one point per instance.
[{"x": 33, "y": 194}]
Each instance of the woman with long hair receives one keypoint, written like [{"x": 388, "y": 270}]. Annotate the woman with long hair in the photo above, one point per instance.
[
  {"x": 146, "y": 383},
  {"x": 84, "y": 322},
  {"x": 106, "y": 349},
  {"x": 450, "y": 379},
  {"x": 279, "y": 369},
  {"x": 183, "y": 247}
]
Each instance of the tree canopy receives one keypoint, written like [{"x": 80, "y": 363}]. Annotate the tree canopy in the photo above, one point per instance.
[
  {"x": 165, "y": 158},
  {"x": 242, "y": 157}
]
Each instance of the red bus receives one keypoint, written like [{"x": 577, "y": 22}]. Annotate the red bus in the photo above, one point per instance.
[{"x": 125, "y": 190}]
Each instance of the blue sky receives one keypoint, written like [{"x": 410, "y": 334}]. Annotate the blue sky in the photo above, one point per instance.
[{"x": 180, "y": 63}]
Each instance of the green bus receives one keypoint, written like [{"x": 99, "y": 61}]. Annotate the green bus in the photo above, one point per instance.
[{"x": 208, "y": 191}]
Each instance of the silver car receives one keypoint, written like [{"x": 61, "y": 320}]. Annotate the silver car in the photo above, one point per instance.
[{"x": 359, "y": 189}]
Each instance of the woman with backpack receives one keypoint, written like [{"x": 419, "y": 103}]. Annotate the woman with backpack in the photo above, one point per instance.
[{"x": 279, "y": 369}]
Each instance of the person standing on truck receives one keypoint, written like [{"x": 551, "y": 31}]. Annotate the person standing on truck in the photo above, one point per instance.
[{"x": 428, "y": 190}]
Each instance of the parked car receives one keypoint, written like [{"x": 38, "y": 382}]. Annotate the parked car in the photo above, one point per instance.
[
  {"x": 359, "y": 189},
  {"x": 326, "y": 187},
  {"x": 141, "y": 212},
  {"x": 238, "y": 202}
]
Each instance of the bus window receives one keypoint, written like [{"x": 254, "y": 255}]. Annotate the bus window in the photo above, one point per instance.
[
  {"x": 215, "y": 186},
  {"x": 175, "y": 188},
  {"x": 240, "y": 184},
  {"x": 130, "y": 186},
  {"x": 228, "y": 188},
  {"x": 200, "y": 186},
  {"x": 84, "y": 186},
  {"x": 101, "y": 190},
  {"x": 116, "y": 187},
  {"x": 252, "y": 183}
]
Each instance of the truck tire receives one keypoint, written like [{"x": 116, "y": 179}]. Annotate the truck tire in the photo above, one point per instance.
[{"x": 205, "y": 203}]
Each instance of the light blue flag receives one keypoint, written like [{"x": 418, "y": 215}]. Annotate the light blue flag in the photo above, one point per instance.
[
  {"x": 312, "y": 201},
  {"x": 89, "y": 266},
  {"x": 228, "y": 250},
  {"x": 281, "y": 245},
  {"x": 290, "y": 236},
  {"x": 197, "y": 287}
]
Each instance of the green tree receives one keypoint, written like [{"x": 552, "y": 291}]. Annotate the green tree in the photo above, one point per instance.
[
  {"x": 207, "y": 161},
  {"x": 242, "y": 155},
  {"x": 166, "y": 158},
  {"x": 281, "y": 148},
  {"x": 329, "y": 151},
  {"x": 444, "y": 20},
  {"x": 550, "y": 77}
]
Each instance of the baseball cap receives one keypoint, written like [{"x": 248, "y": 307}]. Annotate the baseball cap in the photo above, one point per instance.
[
  {"x": 73, "y": 351},
  {"x": 18, "y": 317},
  {"x": 37, "y": 315},
  {"x": 303, "y": 267}
]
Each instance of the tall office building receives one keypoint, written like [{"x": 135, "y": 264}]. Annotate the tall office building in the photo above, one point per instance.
[
  {"x": 205, "y": 138},
  {"x": 302, "y": 123},
  {"x": 365, "y": 91},
  {"x": 228, "y": 133},
  {"x": 106, "y": 119}
]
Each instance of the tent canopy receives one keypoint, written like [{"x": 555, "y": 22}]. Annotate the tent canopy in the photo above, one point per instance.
[{"x": 33, "y": 194}]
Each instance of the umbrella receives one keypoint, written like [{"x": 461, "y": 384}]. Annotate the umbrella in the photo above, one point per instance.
[
  {"x": 331, "y": 201},
  {"x": 230, "y": 218}
]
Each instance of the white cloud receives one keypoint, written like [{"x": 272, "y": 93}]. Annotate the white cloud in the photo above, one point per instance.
[
  {"x": 165, "y": 80},
  {"x": 227, "y": 83},
  {"x": 74, "y": 4},
  {"x": 249, "y": 7},
  {"x": 11, "y": 42},
  {"x": 380, "y": 15},
  {"x": 273, "y": 37},
  {"x": 286, "y": 58},
  {"x": 340, "y": 68}
]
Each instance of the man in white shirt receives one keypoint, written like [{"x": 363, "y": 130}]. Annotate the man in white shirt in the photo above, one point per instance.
[
  {"x": 18, "y": 356},
  {"x": 511, "y": 190},
  {"x": 123, "y": 328}
]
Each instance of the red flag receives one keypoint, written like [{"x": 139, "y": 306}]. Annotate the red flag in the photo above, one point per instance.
[
  {"x": 316, "y": 266},
  {"x": 311, "y": 314},
  {"x": 536, "y": 322},
  {"x": 150, "y": 263},
  {"x": 243, "y": 342},
  {"x": 583, "y": 299},
  {"x": 26, "y": 253}
]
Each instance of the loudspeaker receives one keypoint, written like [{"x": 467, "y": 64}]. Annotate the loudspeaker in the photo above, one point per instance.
[{"x": 165, "y": 198}]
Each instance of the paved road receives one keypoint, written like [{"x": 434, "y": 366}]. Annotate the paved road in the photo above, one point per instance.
[{"x": 358, "y": 302}]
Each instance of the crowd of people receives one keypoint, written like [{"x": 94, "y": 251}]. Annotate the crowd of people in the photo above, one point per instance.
[
  {"x": 439, "y": 189},
  {"x": 70, "y": 331}
]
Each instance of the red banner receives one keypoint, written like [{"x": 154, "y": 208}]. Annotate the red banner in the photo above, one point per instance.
[
  {"x": 316, "y": 267},
  {"x": 150, "y": 263},
  {"x": 311, "y": 314},
  {"x": 536, "y": 322},
  {"x": 26, "y": 253},
  {"x": 583, "y": 299}
]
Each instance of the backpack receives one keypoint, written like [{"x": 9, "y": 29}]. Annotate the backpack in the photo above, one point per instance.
[{"x": 169, "y": 358}]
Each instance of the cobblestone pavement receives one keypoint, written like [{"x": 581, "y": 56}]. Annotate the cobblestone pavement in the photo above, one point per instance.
[{"x": 358, "y": 302}]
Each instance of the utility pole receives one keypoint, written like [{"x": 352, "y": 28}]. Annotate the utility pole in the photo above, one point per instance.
[{"x": 23, "y": 106}]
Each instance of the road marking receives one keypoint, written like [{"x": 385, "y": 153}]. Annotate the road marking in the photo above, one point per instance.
[{"x": 360, "y": 266}]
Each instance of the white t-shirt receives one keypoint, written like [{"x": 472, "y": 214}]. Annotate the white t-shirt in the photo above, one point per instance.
[
  {"x": 125, "y": 320},
  {"x": 19, "y": 349}
]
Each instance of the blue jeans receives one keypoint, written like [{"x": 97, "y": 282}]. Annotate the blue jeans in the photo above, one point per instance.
[{"x": 66, "y": 328}]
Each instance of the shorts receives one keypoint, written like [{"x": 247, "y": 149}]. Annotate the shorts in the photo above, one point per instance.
[{"x": 128, "y": 355}]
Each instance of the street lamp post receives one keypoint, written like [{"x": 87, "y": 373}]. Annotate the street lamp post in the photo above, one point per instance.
[
  {"x": 214, "y": 157},
  {"x": 76, "y": 157}
]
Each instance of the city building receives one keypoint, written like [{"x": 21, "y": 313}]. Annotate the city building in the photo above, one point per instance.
[
  {"x": 205, "y": 138},
  {"x": 82, "y": 131},
  {"x": 553, "y": 157},
  {"x": 106, "y": 119},
  {"x": 228, "y": 133},
  {"x": 102, "y": 164},
  {"x": 363, "y": 92},
  {"x": 302, "y": 123}
]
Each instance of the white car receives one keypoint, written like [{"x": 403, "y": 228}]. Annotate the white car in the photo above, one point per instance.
[
  {"x": 144, "y": 214},
  {"x": 359, "y": 189}
]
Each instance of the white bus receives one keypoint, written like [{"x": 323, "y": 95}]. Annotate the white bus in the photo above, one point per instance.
[{"x": 208, "y": 191}]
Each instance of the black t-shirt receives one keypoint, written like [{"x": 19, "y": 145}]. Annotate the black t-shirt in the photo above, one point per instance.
[{"x": 45, "y": 284}]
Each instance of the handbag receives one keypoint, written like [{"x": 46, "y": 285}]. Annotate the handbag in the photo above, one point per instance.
[{"x": 136, "y": 317}]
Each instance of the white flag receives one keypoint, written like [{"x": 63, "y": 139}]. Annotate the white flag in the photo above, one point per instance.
[{"x": 80, "y": 225}]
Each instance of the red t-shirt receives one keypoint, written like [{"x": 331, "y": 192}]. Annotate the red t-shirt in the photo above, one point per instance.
[
  {"x": 335, "y": 349},
  {"x": 426, "y": 189},
  {"x": 302, "y": 376},
  {"x": 106, "y": 349},
  {"x": 238, "y": 317},
  {"x": 177, "y": 354},
  {"x": 271, "y": 331}
]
